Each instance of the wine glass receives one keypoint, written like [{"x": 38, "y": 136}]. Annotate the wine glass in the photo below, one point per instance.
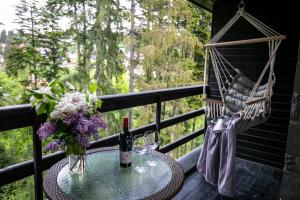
[
  {"x": 151, "y": 144},
  {"x": 139, "y": 147}
]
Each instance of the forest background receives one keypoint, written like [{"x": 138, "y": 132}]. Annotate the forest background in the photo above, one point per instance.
[{"x": 123, "y": 46}]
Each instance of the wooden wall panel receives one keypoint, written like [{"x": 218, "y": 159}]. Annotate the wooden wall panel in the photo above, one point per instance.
[{"x": 266, "y": 142}]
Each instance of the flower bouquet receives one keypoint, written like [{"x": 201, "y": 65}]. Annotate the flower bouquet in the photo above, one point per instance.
[{"x": 72, "y": 119}]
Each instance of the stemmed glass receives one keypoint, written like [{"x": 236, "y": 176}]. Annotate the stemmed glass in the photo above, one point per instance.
[
  {"x": 139, "y": 147},
  {"x": 151, "y": 145}
]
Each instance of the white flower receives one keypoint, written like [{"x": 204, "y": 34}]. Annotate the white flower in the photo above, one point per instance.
[
  {"x": 92, "y": 103},
  {"x": 55, "y": 115},
  {"x": 32, "y": 99},
  {"x": 69, "y": 109},
  {"x": 45, "y": 90},
  {"x": 69, "y": 105}
]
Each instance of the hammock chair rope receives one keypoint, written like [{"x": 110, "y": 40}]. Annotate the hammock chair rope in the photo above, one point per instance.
[{"x": 224, "y": 70}]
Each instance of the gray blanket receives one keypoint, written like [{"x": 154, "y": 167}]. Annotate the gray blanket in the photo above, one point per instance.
[{"x": 217, "y": 159}]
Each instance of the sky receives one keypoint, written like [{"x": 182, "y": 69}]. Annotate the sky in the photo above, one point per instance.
[{"x": 7, "y": 14}]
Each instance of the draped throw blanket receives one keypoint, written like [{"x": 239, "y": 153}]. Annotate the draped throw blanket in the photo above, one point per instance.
[{"x": 217, "y": 159}]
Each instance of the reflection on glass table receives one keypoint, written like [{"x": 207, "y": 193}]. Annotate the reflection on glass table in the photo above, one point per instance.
[
  {"x": 151, "y": 145},
  {"x": 139, "y": 142},
  {"x": 105, "y": 179}
]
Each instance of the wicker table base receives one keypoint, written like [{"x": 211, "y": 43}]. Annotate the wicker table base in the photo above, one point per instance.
[{"x": 54, "y": 191}]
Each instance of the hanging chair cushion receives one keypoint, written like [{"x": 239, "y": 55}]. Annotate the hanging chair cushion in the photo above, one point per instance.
[{"x": 238, "y": 92}]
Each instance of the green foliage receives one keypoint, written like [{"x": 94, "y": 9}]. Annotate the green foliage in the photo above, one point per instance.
[
  {"x": 39, "y": 45},
  {"x": 16, "y": 145},
  {"x": 53, "y": 40},
  {"x": 20, "y": 58},
  {"x": 93, "y": 87},
  {"x": 22, "y": 189},
  {"x": 10, "y": 90},
  {"x": 45, "y": 99},
  {"x": 109, "y": 61}
]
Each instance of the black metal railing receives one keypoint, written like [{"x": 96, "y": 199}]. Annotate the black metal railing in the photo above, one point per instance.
[{"x": 13, "y": 117}]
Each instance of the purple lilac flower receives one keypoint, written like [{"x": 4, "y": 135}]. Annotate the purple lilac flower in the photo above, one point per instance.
[
  {"x": 46, "y": 130},
  {"x": 96, "y": 122},
  {"x": 53, "y": 146},
  {"x": 73, "y": 118},
  {"x": 69, "y": 120},
  {"x": 82, "y": 125},
  {"x": 82, "y": 140}
]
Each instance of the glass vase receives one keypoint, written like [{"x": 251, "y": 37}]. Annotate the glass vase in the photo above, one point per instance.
[{"x": 77, "y": 163}]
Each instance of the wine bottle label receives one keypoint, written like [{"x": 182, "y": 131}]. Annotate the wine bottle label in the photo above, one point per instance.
[{"x": 125, "y": 157}]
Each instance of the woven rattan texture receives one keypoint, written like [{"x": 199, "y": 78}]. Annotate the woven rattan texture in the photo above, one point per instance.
[{"x": 53, "y": 191}]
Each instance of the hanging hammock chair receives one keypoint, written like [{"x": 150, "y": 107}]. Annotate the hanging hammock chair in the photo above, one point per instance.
[{"x": 238, "y": 92}]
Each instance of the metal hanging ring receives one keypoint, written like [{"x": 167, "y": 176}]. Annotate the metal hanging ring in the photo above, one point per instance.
[{"x": 241, "y": 5}]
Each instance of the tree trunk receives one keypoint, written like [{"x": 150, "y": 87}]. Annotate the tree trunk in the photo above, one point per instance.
[
  {"x": 33, "y": 47},
  {"x": 85, "y": 57},
  {"x": 78, "y": 37},
  {"x": 131, "y": 56},
  {"x": 99, "y": 74}
]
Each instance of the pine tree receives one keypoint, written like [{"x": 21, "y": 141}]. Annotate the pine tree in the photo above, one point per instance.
[
  {"x": 25, "y": 54},
  {"x": 133, "y": 53},
  {"x": 3, "y": 36},
  {"x": 81, "y": 17},
  {"x": 108, "y": 36},
  {"x": 53, "y": 42}
]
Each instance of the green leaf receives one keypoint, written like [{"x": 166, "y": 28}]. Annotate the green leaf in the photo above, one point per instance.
[
  {"x": 78, "y": 149},
  {"x": 55, "y": 90},
  {"x": 75, "y": 149},
  {"x": 53, "y": 83},
  {"x": 61, "y": 134},
  {"x": 36, "y": 94},
  {"x": 51, "y": 107},
  {"x": 99, "y": 103},
  {"x": 92, "y": 87},
  {"x": 40, "y": 108},
  {"x": 50, "y": 97},
  {"x": 61, "y": 85},
  {"x": 69, "y": 150}
]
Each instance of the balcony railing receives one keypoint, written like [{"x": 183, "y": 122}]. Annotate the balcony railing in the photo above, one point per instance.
[{"x": 14, "y": 117}]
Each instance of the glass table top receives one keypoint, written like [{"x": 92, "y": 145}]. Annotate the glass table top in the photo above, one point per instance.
[{"x": 105, "y": 179}]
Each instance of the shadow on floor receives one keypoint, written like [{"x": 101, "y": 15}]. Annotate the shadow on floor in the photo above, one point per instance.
[{"x": 254, "y": 181}]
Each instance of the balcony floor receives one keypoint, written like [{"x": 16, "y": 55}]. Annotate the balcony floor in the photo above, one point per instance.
[{"x": 254, "y": 181}]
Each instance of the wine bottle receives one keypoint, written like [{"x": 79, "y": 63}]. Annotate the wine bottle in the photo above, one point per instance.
[{"x": 125, "y": 145}]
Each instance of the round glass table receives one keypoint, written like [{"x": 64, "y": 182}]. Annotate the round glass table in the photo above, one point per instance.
[{"x": 105, "y": 179}]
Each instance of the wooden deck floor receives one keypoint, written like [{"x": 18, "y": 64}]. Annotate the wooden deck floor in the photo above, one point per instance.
[{"x": 254, "y": 181}]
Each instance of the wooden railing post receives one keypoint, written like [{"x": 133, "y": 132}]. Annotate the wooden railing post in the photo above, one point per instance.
[
  {"x": 157, "y": 120},
  {"x": 37, "y": 158}
]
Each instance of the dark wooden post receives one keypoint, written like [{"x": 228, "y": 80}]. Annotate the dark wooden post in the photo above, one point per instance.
[
  {"x": 157, "y": 120},
  {"x": 291, "y": 175},
  {"x": 37, "y": 158}
]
